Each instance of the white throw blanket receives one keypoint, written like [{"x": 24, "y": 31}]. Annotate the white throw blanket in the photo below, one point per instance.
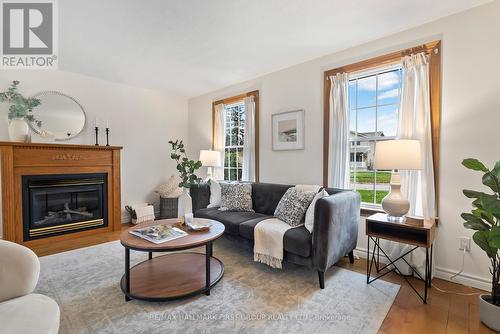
[{"x": 268, "y": 246}]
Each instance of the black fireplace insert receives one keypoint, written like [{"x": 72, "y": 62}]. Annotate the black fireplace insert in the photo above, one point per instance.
[{"x": 63, "y": 203}]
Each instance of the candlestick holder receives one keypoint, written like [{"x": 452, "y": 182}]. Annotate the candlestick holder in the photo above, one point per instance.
[
  {"x": 96, "y": 136},
  {"x": 107, "y": 136}
]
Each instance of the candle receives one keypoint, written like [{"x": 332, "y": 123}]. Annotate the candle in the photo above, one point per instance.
[
  {"x": 96, "y": 122},
  {"x": 107, "y": 124}
]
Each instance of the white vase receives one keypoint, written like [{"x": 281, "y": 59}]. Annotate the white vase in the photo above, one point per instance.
[
  {"x": 18, "y": 130},
  {"x": 184, "y": 205}
]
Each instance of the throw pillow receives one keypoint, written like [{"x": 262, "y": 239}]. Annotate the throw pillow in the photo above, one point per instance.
[
  {"x": 215, "y": 194},
  {"x": 236, "y": 197},
  {"x": 170, "y": 189},
  {"x": 309, "y": 220},
  {"x": 293, "y": 205}
]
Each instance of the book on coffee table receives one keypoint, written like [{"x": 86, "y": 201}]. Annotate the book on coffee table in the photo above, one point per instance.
[{"x": 159, "y": 233}]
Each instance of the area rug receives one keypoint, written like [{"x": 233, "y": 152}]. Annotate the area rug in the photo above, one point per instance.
[{"x": 250, "y": 298}]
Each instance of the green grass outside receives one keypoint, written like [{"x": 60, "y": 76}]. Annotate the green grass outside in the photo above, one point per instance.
[
  {"x": 369, "y": 177},
  {"x": 367, "y": 195}
]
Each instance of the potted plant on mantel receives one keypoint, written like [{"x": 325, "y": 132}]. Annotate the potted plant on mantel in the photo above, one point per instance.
[
  {"x": 485, "y": 220},
  {"x": 186, "y": 168},
  {"x": 20, "y": 112}
]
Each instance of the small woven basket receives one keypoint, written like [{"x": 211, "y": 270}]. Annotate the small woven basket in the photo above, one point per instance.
[{"x": 168, "y": 208}]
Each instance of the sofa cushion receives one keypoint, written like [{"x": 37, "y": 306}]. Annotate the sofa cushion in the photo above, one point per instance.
[
  {"x": 30, "y": 314},
  {"x": 298, "y": 241},
  {"x": 266, "y": 196},
  {"x": 293, "y": 206},
  {"x": 236, "y": 197},
  {"x": 246, "y": 228},
  {"x": 230, "y": 219}
]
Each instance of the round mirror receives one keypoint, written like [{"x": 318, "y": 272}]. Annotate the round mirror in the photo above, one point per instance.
[{"x": 60, "y": 116}]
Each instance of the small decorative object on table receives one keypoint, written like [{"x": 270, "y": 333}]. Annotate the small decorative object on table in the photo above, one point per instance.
[
  {"x": 20, "y": 112},
  {"x": 485, "y": 220},
  {"x": 186, "y": 169},
  {"x": 396, "y": 155},
  {"x": 107, "y": 136}
]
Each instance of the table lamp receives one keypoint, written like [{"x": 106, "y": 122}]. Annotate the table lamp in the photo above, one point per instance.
[
  {"x": 210, "y": 159},
  {"x": 397, "y": 155}
]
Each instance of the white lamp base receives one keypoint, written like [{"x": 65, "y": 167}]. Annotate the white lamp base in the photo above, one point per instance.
[{"x": 395, "y": 203}]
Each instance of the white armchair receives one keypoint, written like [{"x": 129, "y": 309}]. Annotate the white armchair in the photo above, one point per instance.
[{"x": 22, "y": 311}]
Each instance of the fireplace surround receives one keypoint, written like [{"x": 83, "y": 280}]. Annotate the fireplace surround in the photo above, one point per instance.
[{"x": 56, "y": 192}]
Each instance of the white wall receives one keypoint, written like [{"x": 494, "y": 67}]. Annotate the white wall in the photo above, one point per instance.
[
  {"x": 142, "y": 121},
  {"x": 470, "y": 118}
]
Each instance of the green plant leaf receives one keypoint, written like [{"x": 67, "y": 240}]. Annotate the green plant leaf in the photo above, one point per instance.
[
  {"x": 490, "y": 180},
  {"x": 494, "y": 237},
  {"x": 481, "y": 238},
  {"x": 474, "y": 164},
  {"x": 474, "y": 223},
  {"x": 473, "y": 194}
]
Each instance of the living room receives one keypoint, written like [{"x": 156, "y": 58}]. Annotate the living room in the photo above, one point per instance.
[{"x": 299, "y": 121}]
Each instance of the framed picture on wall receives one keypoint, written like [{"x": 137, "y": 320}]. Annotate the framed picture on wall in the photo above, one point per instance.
[{"x": 288, "y": 130}]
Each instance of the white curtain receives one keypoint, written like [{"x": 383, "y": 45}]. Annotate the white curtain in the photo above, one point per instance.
[
  {"x": 415, "y": 123},
  {"x": 248, "y": 173},
  {"x": 338, "y": 150},
  {"x": 219, "y": 139}
]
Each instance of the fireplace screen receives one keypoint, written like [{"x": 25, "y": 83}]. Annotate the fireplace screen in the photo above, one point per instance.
[{"x": 56, "y": 204}]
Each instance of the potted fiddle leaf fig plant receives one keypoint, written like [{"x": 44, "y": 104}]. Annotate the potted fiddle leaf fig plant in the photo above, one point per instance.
[
  {"x": 485, "y": 220},
  {"x": 186, "y": 169},
  {"x": 20, "y": 112}
]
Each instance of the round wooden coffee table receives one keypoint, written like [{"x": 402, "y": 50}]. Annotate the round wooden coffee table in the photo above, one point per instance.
[{"x": 175, "y": 275}]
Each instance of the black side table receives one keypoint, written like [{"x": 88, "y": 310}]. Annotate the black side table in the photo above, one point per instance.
[{"x": 414, "y": 232}]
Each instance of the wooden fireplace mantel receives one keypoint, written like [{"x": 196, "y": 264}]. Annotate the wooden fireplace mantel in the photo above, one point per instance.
[{"x": 19, "y": 159}]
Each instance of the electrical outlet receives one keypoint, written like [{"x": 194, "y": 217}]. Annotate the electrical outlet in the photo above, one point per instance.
[{"x": 464, "y": 244}]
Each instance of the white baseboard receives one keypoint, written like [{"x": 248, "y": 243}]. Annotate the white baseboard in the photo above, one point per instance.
[{"x": 445, "y": 274}]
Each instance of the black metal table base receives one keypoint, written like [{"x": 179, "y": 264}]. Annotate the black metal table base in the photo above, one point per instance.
[{"x": 374, "y": 261}]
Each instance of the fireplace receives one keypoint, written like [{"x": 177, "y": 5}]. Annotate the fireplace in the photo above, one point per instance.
[{"x": 61, "y": 204}]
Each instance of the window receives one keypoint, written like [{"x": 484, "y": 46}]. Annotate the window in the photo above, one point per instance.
[
  {"x": 373, "y": 104},
  {"x": 374, "y": 93},
  {"x": 234, "y": 124},
  {"x": 235, "y": 132}
]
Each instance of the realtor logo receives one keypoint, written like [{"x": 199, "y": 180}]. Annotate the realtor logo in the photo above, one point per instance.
[{"x": 29, "y": 34}]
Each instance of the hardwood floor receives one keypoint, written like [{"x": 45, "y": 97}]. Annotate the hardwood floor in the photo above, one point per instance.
[{"x": 444, "y": 313}]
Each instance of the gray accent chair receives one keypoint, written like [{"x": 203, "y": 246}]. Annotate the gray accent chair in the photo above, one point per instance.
[
  {"x": 335, "y": 231},
  {"x": 22, "y": 311}
]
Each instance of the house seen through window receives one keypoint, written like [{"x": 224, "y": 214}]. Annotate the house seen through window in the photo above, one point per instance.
[
  {"x": 374, "y": 105},
  {"x": 235, "y": 132}
]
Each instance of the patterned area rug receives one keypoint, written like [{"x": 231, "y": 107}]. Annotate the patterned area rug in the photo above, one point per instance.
[{"x": 250, "y": 298}]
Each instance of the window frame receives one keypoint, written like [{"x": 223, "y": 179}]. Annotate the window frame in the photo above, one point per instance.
[
  {"x": 233, "y": 100},
  {"x": 433, "y": 50}
]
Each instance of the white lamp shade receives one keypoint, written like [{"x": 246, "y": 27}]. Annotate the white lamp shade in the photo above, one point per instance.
[
  {"x": 210, "y": 158},
  {"x": 398, "y": 154}
]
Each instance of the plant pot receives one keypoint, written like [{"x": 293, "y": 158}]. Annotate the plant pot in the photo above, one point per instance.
[
  {"x": 18, "y": 130},
  {"x": 489, "y": 313},
  {"x": 185, "y": 205}
]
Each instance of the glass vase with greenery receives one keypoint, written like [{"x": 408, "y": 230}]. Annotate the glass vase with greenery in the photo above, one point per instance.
[
  {"x": 20, "y": 106},
  {"x": 484, "y": 218},
  {"x": 185, "y": 166}
]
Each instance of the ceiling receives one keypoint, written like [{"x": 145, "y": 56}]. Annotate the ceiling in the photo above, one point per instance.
[{"x": 191, "y": 47}]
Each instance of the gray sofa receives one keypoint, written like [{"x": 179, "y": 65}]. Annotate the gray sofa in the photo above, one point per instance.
[{"x": 335, "y": 232}]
